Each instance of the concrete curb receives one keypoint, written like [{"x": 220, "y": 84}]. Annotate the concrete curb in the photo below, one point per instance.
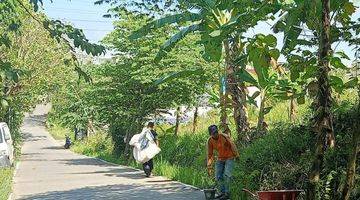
[{"x": 10, "y": 196}]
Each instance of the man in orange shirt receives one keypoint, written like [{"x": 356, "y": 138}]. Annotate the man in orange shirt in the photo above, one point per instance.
[{"x": 227, "y": 152}]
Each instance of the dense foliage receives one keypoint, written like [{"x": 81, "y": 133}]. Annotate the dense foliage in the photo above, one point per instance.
[
  {"x": 275, "y": 155},
  {"x": 176, "y": 53},
  {"x": 36, "y": 58},
  {"x": 124, "y": 93}
]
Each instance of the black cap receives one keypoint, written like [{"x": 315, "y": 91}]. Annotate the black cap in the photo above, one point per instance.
[
  {"x": 213, "y": 129},
  {"x": 151, "y": 124}
]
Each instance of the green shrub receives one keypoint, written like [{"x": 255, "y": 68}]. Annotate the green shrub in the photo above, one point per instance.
[
  {"x": 94, "y": 145},
  {"x": 272, "y": 161}
]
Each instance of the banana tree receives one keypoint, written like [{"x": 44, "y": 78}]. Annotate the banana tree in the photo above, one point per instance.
[
  {"x": 220, "y": 23},
  {"x": 318, "y": 24},
  {"x": 262, "y": 55}
]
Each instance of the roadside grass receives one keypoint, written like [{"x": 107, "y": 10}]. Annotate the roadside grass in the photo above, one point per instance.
[
  {"x": 186, "y": 174},
  {"x": 183, "y": 157},
  {"x": 279, "y": 159},
  {"x": 6, "y": 175},
  {"x": 57, "y": 131}
]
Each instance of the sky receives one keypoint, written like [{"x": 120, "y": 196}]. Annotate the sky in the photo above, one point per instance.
[
  {"x": 82, "y": 14},
  {"x": 85, "y": 15}
]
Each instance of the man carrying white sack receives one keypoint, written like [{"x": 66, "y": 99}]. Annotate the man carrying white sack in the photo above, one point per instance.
[{"x": 146, "y": 147}]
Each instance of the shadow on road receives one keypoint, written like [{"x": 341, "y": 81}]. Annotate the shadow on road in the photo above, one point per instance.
[
  {"x": 158, "y": 181},
  {"x": 54, "y": 148},
  {"x": 86, "y": 161},
  {"x": 117, "y": 172},
  {"x": 28, "y": 137},
  {"x": 35, "y": 120},
  {"x": 119, "y": 191}
]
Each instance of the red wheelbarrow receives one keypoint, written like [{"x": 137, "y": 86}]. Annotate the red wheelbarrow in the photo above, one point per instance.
[{"x": 275, "y": 194}]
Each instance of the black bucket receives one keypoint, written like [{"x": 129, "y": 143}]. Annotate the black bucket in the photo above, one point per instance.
[{"x": 209, "y": 193}]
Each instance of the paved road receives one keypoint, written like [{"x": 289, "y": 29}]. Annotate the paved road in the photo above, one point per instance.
[{"x": 47, "y": 171}]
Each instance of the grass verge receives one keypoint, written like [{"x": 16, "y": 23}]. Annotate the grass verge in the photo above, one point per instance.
[
  {"x": 58, "y": 132},
  {"x": 6, "y": 175}
]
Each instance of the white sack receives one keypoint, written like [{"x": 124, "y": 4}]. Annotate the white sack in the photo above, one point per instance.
[
  {"x": 142, "y": 156},
  {"x": 151, "y": 151}
]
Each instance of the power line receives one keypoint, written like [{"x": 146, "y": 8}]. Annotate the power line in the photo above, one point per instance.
[
  {"x": 75, "y": 10},
  {"x": 77, "y": 1},
  {"x": 75, "y": 13},
  {"x": 100, "y": 30},
  {"x": 82, "y": 20}
]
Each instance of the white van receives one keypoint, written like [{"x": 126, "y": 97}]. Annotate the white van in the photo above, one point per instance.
[{"x": 6, "y": 146}]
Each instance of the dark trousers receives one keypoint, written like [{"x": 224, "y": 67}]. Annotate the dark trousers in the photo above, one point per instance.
[{"x": 148, "y": 166}]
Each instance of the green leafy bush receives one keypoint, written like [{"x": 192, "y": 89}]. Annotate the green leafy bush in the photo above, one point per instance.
[{"x": 272, "y": 161}]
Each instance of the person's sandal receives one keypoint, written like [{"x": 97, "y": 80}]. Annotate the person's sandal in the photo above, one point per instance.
[
  {"x": 225, "y": 197},
  {"x": 219, "y": 196}
]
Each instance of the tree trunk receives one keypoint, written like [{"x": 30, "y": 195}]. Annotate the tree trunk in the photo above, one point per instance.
[
  {"x": 292, "y": 111},
  {"x": 238, "y": 95},
  {"x": 351, "y": 168},
  {"x": 223, "y": 107},
  {"x": 177, "y": 123},
  {"x": 90, "y": 127},
  {"x": 261, "y": 117},
  {"x": 127, "y": 145},
  {"x": 76, "y": 134},
  {"x": 196, "y": 114},
  {"x": 323, "y": 124}
]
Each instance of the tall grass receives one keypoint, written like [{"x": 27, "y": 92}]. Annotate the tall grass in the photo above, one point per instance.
[
  {"x": 95, "y": 145},
  {"x": 280, "y": 159},
  {"x": 59, "y": 132},
  {"x": 6, "y": 175},
  {"x": 183, "y": 157}
]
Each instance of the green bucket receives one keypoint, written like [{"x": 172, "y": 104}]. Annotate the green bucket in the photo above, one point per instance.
[{"x": 209, "y": 193}]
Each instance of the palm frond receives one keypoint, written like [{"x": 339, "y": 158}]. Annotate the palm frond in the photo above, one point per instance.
[
  {"x": 176, "y": 18},
  {"x": 179, "y": 74},
  {"x": 169, "y": 44}
]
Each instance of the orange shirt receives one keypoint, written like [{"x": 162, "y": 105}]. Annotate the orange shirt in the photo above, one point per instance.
[{"x": 224, "y": 146}]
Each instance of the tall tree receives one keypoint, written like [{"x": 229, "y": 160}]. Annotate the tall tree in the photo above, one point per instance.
[
  {"x": 33, "y": 63},
  {"x": 237, "y": 89},
  {"x": 317, "y": 24},
  {"x": 323, "y": 119}
]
